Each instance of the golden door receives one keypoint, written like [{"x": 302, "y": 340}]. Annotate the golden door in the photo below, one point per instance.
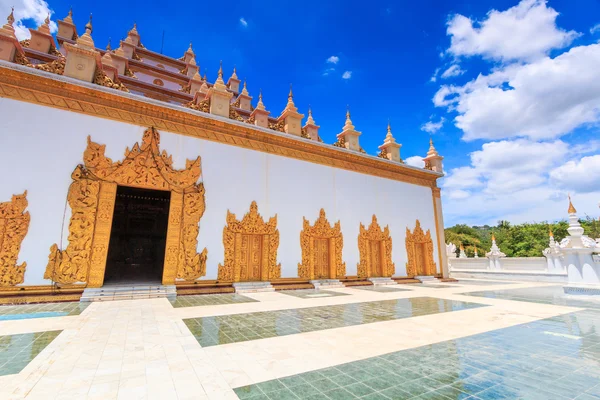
[
  {"x": 322, "y": 259},
  {"x": 251, "y": 257},
  {"x": 376, "y": 267},
  {"x": 420, "y": 261}
]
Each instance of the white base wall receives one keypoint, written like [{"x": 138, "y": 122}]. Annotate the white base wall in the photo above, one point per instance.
[{"x": 40, "y": 147}]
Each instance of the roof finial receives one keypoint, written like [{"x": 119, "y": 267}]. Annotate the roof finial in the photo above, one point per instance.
[
  {"x": 11, "y": 17},
  {"x": 244, "y": 89},
  {"x": 108, "y": 48},
  {"x": 432, "y": 151},
  {"x": 572, "y": 209},
  {"x": 8, "y": 29},
  {"x": 260, "y": 105},
  {"x": 86, "y": 40},
  {"x": 310, "y": 120},
  {"x": 88, "y": 26},
  {"x": 220, "y": 73},
  {"x": 550, "y": 231},
  {"x": 47, "y": 20},
  {"x": 348, "y": 125},
  {"x": 291, "y": 94},
  {"x": 493, "y": 237}
]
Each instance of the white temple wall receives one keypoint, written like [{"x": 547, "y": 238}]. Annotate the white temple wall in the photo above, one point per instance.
[{"x": 40, "y": 147}]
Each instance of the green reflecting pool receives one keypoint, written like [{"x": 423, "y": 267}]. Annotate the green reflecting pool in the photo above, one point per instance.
[
  {"x": 210, "y": 300},
  {"x": 211, "y": 331},
  {"x": 546, "y": 295},
  {"x": 16, "y": 351},
  {"x": 555, "y": 358},
  {"x": 26, "y": 311}
]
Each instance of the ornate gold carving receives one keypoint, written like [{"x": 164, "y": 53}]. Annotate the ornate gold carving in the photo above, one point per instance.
[
  {"x": 341, "y": 142},
  {"x": 375, "y": 245},
  {"x": 304, "y": 134},
  {"x": 129, "y": 73},
  {"x": 136, "y": 56},
  {"x": 252, "y": 224},
  {"x": 103, "y": 80},
  {"x": 14, "y": 224},
  {"x": 92, "y": 197},
  {"x": 203, "y": 105},
  {"x": 56, "y": 67},
  {"x": 233, "y": 114},
  {"x": 237, "y": 103},
  {"x": 419, "y": 249},
  {"x": 321, "y": 230},
  {"x": 278, "y": 126},
  {"x": 383, "y": 154},
  {"x": 42, "y": 90}
]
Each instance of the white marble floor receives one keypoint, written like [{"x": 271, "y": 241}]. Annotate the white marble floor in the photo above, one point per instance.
[{"x": 140, "y": 349}]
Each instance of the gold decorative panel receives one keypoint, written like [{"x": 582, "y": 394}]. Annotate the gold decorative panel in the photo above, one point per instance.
[
  {"x": 321, "y": 250},
  {"x": 14, "y": 224},
  {"x": 419, "y": 249},
  {"x": 250, "y": 248},
  {"x": 375, "y": 247},
  {"x": 92, "y": 199}
]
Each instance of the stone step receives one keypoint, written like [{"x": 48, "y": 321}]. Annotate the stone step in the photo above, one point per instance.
[
  {"x": 427, "y": 279},
  {"x": 379, "y": 281},
  {"x": 128, "y": 292},
  {"x": 253, "y": 287},
  {"x": 327, "y": 284}
]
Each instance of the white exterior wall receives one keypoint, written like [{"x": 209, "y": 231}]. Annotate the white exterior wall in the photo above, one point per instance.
[{"x": 40, "y": 147}]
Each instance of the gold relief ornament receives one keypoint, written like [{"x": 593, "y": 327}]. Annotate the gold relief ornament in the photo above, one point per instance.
[
  {"x": 14, "y": 224},
  {"x": 92, "y": 198},
  {"x": 321, "y": 230},
  {"x": 419, "y": 250},
  {"x": 365, "y": 267},
  {"x": 252, "y": 223}
]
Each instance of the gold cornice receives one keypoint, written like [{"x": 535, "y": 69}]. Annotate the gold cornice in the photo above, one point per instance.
[{"x": 43, "y": 90}]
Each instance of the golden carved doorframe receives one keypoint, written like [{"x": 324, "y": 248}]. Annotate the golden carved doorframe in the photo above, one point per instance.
[
  {"x": 321, "y": 230},
  {"x": 92, "y": 197},
  {"x": 414, "y": 239},
  {"x": 365, "y": 269},
  {"x": 252, "y": 223},
  {"x": 14, "y": 224}
]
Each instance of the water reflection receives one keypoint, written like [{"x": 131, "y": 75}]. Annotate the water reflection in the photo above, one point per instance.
[{"x": 210, "y": 331}]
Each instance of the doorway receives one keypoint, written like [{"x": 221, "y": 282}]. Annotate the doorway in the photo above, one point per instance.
[
  {"x": 376, "y": 258},
  {"x": 251, "y": 257},
  {"x": 138, "y": 236},
  {"x": 322, "y": 259}
]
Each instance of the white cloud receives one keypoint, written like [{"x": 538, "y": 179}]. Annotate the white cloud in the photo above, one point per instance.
[
  {"x": 526, "y": 31},
  {"x": 435, "y": 75},
  {"x": 415, "y": 161},
  {"x": 595, "y": 28},
  {"x": 452, "y": 71},
  {"x": 328, "y": 71},
  {"x": 579, "y": 176},
  {"x": 520, "y": 180},
  {"x": 433, "y": 127},
  {"x": 333, "y": 60},
  {"x": 32, "y": 11},
  {"x": 544, "y": 99},
  {"x": 243, "y": 22},
  {"x": 347, "y": 75},
  {"x": 507, "y": 166}
]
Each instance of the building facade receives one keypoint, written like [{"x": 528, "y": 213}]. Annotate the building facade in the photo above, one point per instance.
[{"x": 126, "y": 165}]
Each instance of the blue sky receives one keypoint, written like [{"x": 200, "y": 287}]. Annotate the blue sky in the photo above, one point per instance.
[{"x": 515, "y": 84}]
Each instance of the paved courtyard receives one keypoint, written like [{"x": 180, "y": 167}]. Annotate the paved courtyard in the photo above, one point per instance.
[{"x": 465, "y": 340}]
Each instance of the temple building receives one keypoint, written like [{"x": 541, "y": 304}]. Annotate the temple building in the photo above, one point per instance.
[{"x": 126, "y": 165}]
